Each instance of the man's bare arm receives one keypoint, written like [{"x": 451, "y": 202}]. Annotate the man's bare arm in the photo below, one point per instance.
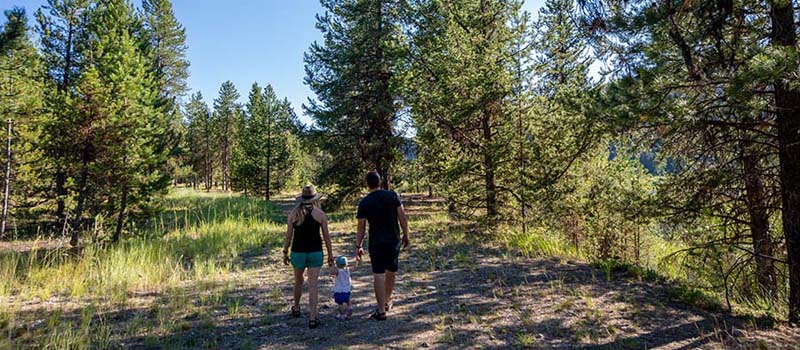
[
  {"x": 401, "y": 216},
  {"x": 362, "y": 228},
  {"x": 362, "y": 231}
]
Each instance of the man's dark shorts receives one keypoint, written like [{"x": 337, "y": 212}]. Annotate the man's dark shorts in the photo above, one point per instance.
[{"x": 384, "y": 258}]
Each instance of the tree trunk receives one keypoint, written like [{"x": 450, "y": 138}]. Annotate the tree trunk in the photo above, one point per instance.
[
  {"x": 756, "y": 199},
  {"x": 269, "y": 154},
  {"x": 121, "y": 217},
  {"x": 7, "y": 188},
  {"x": 61, "y": 176},
  {"x": 82, "y": 189},
  {"x": 225, "y": 165},
  {"x": 489, "y": 167},
  {"x": 787, "y": 101}
]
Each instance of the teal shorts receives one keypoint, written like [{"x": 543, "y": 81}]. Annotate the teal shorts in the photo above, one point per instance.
[{"x": 302, "y": 260}]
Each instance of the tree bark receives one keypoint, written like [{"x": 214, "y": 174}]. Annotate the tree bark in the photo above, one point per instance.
[
  {"x": 121, "y": 217},
  {"x": 7, "y": 188},
  {"x": 756, "y": 200},
  {"x": 787, "y": 103},
  {"x": 61, "y": 176},
  {"x": 82, "y": 189},
  {"x": 489, "y": 166},
  {"x": 269, "y": 154}
]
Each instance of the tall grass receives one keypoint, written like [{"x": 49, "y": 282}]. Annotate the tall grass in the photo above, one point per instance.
[
  {"x": 537, "y": 241},
  {"x": 199, "y": 236}
]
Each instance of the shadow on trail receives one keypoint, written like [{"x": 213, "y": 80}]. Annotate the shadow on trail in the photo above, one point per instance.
[
  {"x": 488, "y": 301},
  {"x": 453, "y": 292}
]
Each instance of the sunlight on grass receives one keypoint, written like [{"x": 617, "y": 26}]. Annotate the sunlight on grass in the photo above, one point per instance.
[{"x": 206, "y": 233}]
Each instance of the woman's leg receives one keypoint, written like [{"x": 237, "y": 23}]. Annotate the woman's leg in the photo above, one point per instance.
[
  {"x": 313, "y": 275},
  {"x": 298, "y": 288}
]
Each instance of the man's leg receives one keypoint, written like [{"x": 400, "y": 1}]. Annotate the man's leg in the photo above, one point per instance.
[
  {"x": 389, "y": 286},
  {"x": 391, "y": 269},
  {"x": 379, "y": 286}
]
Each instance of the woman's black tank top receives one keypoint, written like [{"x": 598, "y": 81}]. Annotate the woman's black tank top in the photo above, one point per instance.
[{"x": 307, "y": 236}]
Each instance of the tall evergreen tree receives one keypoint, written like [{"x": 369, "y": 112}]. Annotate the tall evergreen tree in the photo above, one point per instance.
[
  {"x": 200, "y": 140},
  {"x": 63, "y": 28},
  {"x": 115, "y": 106},
  {"x": 354, "y": 75},
  {"x": 226, "y": 112},
  {"x": 165, "y": 44},
  {"x": 462, "y": 78},
  {"x": 721, "y": 95},
  {"x": 266, "y": 162},
  {"x": 21, "y": 89}
]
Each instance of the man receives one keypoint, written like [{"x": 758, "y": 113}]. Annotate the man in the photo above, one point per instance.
[{"x": 383, "y": 211}]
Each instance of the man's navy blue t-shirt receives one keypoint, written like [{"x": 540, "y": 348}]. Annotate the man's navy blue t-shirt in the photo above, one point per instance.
[{"x": 380, "y": 209}]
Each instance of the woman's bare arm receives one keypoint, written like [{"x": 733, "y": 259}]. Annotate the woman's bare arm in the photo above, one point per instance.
[
  {"x": 288, "y": 238},
  {"x": 320, "y": 216}
]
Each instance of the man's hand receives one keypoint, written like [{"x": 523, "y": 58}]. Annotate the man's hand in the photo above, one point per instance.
[
  {"x": 359, "y": 253},
  {"x": 285, "y": 259},
  {"x": 405, "y": 241}
]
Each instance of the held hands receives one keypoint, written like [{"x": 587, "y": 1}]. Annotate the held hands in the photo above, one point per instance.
[
  {"x": 330, "y": 261},
  {"x": 359, "y": 254}
]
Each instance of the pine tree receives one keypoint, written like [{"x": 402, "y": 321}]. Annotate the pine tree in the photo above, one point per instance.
[
  {"x": 353, "y": 74},
  {"x": 199, "y": 140},
  {"x": 165, "y": 44},
  {"x": 711, "y": 93},
  {"x": 226, "y": 112},
  {"x": 115, "y": 107},
  {"x": 21, "y": 89},
  {"x": 266, "y": 162},
  {"x": 462, "y": 79},
  {"x": 561, "y": 127},
  {"x": 63, "y": 28}
]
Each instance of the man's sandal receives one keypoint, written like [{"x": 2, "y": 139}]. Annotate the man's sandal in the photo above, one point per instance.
[
  {"x": 295, "y": 312},
  {"x": 378, "y": 316},
  {"x": 313, "y": 323}
]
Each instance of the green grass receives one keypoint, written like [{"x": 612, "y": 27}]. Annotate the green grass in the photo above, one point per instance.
[
  {"x": 197, "y": 240},
  {"x": 203, "y": 236},
  {"x": 536, "y": 242}
]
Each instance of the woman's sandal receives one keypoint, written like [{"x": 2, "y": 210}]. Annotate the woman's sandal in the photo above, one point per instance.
[
  {"x": 378, "y": 316},
  {"x": 295, "y": 312},
  {"x": 313, "y": 323}
]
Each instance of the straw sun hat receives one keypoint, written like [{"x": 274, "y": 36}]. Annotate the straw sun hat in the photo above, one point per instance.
[{"x": 309, "y": 195}]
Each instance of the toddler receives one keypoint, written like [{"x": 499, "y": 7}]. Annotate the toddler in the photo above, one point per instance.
[{"x": 341, "y": 288}]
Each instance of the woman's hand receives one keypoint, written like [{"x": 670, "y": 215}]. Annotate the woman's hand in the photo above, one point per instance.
[
  {"x": 285, "y": 258},
  {"x": 330, "y": 260}
]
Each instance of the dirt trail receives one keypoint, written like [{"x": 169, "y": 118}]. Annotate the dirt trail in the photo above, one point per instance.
[
  {"x": 480, "y": 297},
  {"x": 453, "y": 292}
]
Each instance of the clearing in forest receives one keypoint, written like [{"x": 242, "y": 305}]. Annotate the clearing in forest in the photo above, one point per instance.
[{"x": 227, "y": 289}]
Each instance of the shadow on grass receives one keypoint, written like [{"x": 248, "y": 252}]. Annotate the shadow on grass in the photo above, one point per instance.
[
  {"x": 456, "y": 304},
  {"x": 454, "y": 292}
]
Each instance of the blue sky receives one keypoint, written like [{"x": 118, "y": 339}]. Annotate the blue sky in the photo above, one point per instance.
[{"x": 246, "y": 41}]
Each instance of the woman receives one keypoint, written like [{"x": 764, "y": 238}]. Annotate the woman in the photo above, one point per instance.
[{"x": 303, "y": 232}]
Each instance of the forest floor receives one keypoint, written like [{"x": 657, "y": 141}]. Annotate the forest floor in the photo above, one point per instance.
[{"x": 455, "y": 290}]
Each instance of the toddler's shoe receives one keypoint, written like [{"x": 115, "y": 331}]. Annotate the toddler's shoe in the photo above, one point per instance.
[{"x": 349, "y": 313}]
